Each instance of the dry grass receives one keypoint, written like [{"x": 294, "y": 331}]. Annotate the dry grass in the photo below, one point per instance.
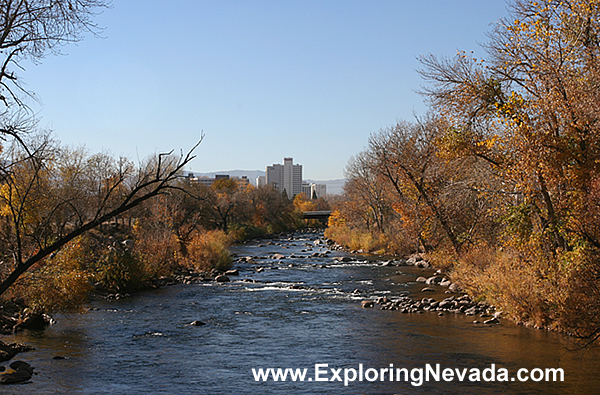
[
  {"x": 378, "y": 243},
  {"x": 532, "y": 290}
]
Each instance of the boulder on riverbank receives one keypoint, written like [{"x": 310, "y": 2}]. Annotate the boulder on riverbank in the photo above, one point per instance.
[
  {"x": 8, "y": 351},
  {"x": 342, "y": 259},
  {"x": 458, "y": 305},
  {"x": 33, "y": 322},
  {"x": 434, "y": 280}
]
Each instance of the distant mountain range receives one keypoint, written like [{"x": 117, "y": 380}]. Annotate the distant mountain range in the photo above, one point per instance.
[{"x": 334, "y": 187}]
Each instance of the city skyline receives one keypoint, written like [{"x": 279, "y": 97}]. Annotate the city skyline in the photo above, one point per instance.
[{"x": 286, "y": 177}]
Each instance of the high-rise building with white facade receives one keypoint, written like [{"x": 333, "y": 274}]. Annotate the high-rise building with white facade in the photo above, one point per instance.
[
  {"x": 318, "y": 190},
  {"x": 286, "y": 177},
  {"x": 314, "y": 191}
]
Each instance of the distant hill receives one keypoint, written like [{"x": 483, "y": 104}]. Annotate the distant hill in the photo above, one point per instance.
[{"x": 334, "y": 187}]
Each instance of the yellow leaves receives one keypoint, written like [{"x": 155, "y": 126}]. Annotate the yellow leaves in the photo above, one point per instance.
[
  {"x": 454, "y": 143},
  {"x": 512, "y": 106},
  {"x": 489, "y": 143},
  {"x": 208, "y": 250},
  {"x": 5, "y": 196},
  {"x": 303, "y": 204},
  {"x": 336, "y": 219}
]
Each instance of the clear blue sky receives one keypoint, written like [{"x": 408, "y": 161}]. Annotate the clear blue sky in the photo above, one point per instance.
[{"x": 263, "y": 79}]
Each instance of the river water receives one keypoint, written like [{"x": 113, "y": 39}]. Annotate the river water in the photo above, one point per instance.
[{"x": 296, "y": 313}]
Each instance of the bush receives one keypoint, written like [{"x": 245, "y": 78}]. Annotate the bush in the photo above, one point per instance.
[
  {"x": 157, "y": 251},
  {"x": 557, "y": 291},
  {"x": 120, "y": 271},
  {"x": 369, "y": 241},
  {"x": 209, "y": 250},
  {"x": 60, "y": 283}
]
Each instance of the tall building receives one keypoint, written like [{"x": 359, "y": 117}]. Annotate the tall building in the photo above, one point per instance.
[
  {"x": 318, "y": 190},
  {"x": 314, "y": 191},
  {"x": 286, "y": 177}
]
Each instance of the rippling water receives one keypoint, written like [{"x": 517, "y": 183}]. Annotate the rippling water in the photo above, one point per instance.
[{"x": 299, "y": 312}]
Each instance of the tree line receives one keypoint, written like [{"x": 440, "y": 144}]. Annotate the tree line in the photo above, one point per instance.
[{"x": 499, "y": 183}]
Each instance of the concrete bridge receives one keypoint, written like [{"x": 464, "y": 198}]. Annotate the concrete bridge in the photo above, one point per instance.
[{"x": 322, "y": 216}]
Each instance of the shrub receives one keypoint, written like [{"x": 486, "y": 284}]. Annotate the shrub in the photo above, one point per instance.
[
  {"x": 529, "y": 289},
  {"x": 209, "y": 250},
  {"x": 369, "y": 241},
  {"x": 120, "y": 270},
  {"x": 157, "y": 251},
  {"x": 59, "y": 283}
]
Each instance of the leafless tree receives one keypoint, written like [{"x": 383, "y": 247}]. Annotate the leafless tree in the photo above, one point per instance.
[{"x": 30, "y": 29}]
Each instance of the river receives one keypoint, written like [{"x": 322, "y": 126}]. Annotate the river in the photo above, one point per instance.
[{"x": 295, "y": 313}]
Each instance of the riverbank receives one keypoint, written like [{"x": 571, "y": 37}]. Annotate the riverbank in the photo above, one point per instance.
[
  {"x": 16, "y": 316},
  {"x": 529, "y": 291}
]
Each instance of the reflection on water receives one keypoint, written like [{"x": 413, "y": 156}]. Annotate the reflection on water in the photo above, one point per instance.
[{"x": 299, "y": 312}]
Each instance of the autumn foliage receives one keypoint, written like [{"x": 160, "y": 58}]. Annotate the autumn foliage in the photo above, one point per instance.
[
  {"x": 501, "y": 180},
  {"x": 71, "y": 222}
]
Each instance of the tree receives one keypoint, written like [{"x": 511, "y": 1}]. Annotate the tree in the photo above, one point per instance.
[
  {"x": 302, "y": 203},
  {"x": 368, "y": 193},
  {"x": 530, "y": 110},
  {"x": 405, "y": 155},
  {"x": 46, "y": 203},
  {"x": 49, "y": 195},
  {"x": 271, "y": 210},
  {"x": 229, "y": 199}
]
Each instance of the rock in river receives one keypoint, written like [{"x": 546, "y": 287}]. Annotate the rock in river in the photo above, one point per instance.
[
  {"x": 434, "y": 280},
  {"x": 21, "y": 372}
]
